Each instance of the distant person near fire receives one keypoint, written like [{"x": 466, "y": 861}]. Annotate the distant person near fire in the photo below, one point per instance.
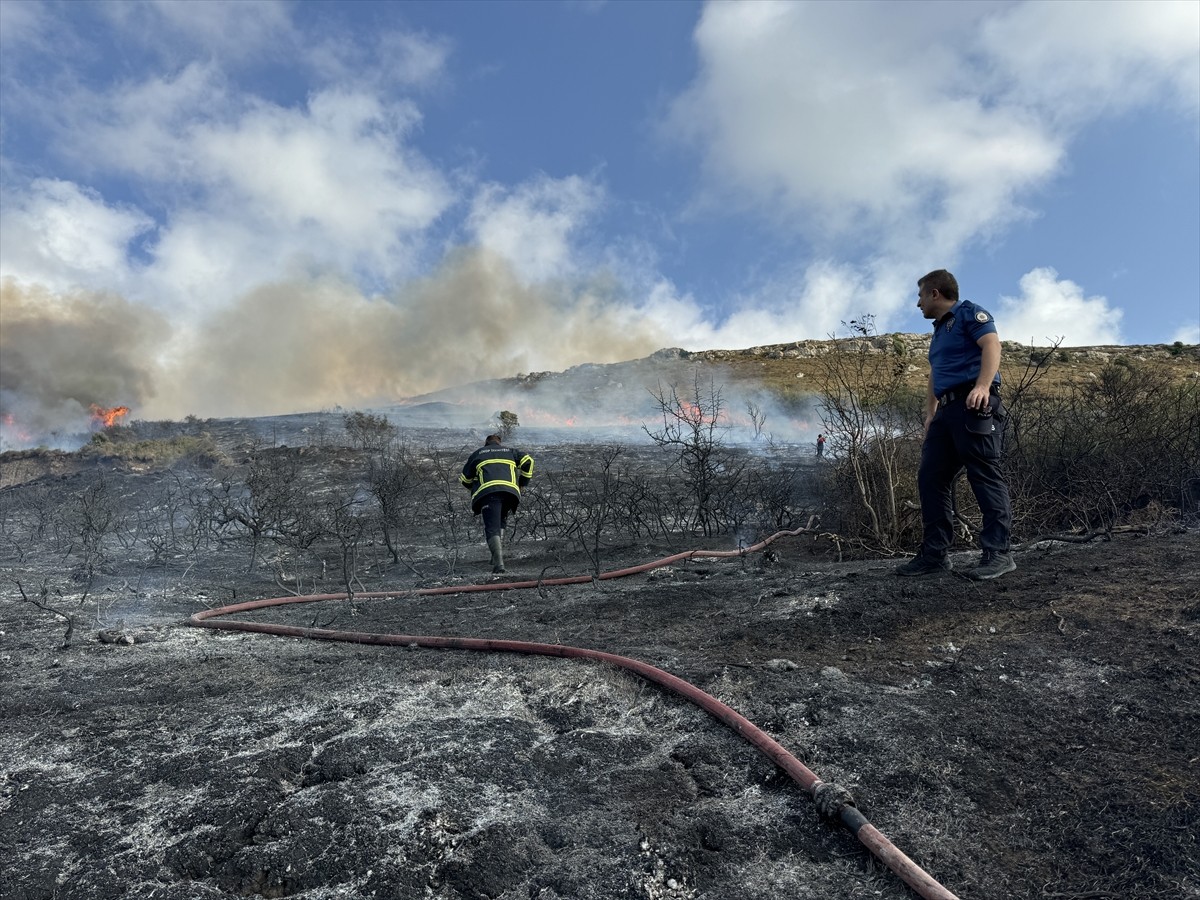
[
  {"x": 964, "y": 428},
  {"x": 820, "y": 445},
  {"x": 495, "y": 475}
]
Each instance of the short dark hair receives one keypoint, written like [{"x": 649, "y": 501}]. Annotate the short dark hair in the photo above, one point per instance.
[
  {"x": 491, "y": 439},
  {"x": 941, "y": 281}
]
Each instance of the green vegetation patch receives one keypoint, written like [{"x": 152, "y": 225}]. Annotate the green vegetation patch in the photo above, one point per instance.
[{"x": 123, "y": 443}]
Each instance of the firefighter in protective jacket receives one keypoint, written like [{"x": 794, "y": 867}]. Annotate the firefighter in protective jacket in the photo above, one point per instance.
[{"x": 494, "y": 475}]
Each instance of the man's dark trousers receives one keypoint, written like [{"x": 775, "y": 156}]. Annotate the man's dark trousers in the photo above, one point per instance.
[{"x": 948, "y": 447}]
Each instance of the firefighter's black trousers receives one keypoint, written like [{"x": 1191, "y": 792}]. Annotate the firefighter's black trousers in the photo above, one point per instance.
[{"x": 495, "y": 509}]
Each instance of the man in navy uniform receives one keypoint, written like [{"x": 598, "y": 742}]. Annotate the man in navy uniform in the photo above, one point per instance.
[
  {"x": 495, "y": 475},
  {"x": 964, "y": 428}
]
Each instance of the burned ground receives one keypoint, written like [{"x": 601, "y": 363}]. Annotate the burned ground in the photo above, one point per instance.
[{"x": 1033, "y": 737}]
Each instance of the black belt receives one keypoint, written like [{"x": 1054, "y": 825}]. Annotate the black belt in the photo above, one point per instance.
[{"x": 960, "y": 391}]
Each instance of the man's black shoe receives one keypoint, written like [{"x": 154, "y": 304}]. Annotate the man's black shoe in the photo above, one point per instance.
[
  {"x": 992, "y": 564},
  {"x": 924, "y": 565}
]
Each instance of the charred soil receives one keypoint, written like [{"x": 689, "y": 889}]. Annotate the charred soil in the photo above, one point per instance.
[{"x": 1031, "y": 737}]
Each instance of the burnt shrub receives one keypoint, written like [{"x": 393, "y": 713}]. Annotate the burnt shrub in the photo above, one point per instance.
[
  {"x": 93, "y": 514},
  {"x": 268, "y": 499},
  {"x": 1115, "y": 447},
  {"x": 369, "y": 432},
  {"x": 1123, "y": 440},
  {"x": 872, "y": 414},
  {"x": 396, "y": 483},
  {"x": 871, "y": 498},
  {"x": 693, "y": 432}
]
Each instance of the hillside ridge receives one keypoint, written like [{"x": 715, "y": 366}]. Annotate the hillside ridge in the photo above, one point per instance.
[{"x": 783, "y": 368}]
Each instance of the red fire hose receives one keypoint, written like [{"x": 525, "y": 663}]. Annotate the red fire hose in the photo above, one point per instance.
[{"x": 832, "y": 800}]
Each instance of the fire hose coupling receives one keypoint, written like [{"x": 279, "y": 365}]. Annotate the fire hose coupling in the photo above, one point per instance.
[{"x": 830, "y": 799}]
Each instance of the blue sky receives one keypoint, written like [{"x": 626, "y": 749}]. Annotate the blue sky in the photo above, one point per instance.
[{"x": 260, "y": 207}]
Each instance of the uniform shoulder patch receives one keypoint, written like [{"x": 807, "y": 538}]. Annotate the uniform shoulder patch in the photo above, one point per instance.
[{"x": 981, "y": 316}]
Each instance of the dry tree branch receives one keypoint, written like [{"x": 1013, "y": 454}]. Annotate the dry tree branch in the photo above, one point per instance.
[{"x": 40, "y": 601}]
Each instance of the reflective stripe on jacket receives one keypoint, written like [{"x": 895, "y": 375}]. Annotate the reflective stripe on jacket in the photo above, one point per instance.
[{"x": 495, "y": 469}]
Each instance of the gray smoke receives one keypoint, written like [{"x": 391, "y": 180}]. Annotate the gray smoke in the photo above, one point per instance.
[
  {"x": 593, "y": 402},
  {"x": 299, "y": 346},
  {"x": 310, "y": 345},
  {"x": 62, "y": 353}
]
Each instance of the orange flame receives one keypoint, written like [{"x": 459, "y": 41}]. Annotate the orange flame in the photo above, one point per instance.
[
  {"x": 545, "y": 417},
  {"x": 12, "y": 430},
  {"x": 107, "y": 418},
  {"x": 694, "y": 414}
]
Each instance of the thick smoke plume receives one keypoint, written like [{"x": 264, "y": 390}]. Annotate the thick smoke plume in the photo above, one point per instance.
[
  {"x": 298, "y": 346},
  {"x": 60, "y": 354}
]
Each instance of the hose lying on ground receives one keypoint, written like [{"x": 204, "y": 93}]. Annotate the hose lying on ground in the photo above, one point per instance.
[{"x": 832, "y": 801}]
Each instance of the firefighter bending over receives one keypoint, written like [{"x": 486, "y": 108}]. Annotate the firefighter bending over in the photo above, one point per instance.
[{"x": 495, "y": 475}]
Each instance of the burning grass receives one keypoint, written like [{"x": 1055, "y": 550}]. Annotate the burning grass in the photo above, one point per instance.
[{"x": 103, "y": 417}]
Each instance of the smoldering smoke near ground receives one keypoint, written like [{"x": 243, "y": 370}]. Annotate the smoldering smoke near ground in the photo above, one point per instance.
[{"x": 617, "y": 403}]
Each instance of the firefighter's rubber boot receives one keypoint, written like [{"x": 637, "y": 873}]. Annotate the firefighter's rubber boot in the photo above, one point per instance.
[{"x": 495, "y": 545}]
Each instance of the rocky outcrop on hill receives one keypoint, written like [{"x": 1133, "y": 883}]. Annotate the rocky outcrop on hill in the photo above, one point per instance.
[
  {"x": 794, "y": 360},
  {"x": 918, "y": 344}
]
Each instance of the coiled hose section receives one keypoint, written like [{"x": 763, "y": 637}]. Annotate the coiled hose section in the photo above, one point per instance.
[{"x": 832, "y": 800}]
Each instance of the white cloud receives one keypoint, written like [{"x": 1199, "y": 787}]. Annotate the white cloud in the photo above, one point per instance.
[
  {"x": 250, "y": 190},
  {"x": 230, "y": 30},
  {"x": 144, "y": 128},
  {"x": 243, "y": 33},
  {"x": 532, "y": 225},
  {"x": 61, "y": 235},
  {"x": 389, "y": 58},
  {"x": 855, "y": 124},
  {"x": 1076, "y": 60},
  {"x": 339, "y": 165},
  {"x": 1188, "y": 333},
  {"x": 243, "y": 189},
  {"x": 895, "y": 135},
  {"x": 811, "y": 304},
  {"x": 207, "y": 258},
  {"x": 24, "y": 26},
  {"x": 1050, "y": 308},
  {"x": 413, "y": 59}
]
